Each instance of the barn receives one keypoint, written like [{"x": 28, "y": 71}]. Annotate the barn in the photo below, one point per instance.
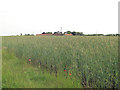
[{"x": 68, "y": 34}]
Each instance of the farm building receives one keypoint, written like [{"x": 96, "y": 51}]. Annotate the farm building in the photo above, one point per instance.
[{"x": 68, "y": 34}]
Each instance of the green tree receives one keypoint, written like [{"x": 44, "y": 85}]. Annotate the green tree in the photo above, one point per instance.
[{"x": 68, "y": 32}]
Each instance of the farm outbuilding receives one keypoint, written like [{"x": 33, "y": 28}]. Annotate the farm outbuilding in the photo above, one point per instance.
[{"x": 68, "y": 34}]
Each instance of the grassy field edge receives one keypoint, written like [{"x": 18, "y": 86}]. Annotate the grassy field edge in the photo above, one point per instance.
[{"x": 19, "y": 74}]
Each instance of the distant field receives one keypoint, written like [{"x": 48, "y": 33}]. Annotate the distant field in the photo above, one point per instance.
[{"x": 87, "y": 61}]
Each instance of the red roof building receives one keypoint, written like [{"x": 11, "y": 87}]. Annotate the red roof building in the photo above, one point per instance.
[{"x": 68, "y": 34}]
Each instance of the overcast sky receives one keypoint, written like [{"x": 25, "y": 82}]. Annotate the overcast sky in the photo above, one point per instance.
[{"x": 36, "y": 16}]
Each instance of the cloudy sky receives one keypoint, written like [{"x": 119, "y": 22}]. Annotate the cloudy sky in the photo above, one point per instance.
[{"x": 36, "y": 16}]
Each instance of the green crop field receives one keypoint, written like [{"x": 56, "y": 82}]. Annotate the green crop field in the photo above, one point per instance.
[{"x": 65, "y": 61}]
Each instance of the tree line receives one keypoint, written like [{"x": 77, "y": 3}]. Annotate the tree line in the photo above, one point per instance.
[{"x": 73, "y": 33}]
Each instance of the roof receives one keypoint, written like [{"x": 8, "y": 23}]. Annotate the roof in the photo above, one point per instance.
[{"x": 68, "y": 34}]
